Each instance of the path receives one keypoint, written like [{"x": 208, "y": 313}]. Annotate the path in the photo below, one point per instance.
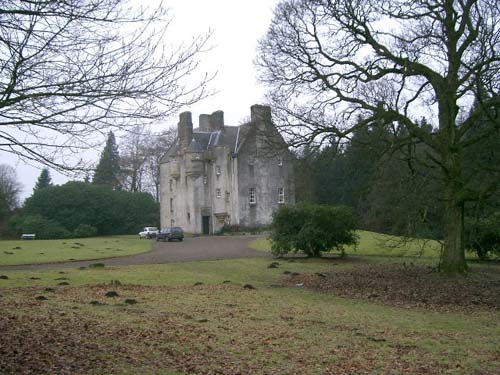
[{"x": 191, "y": 249}]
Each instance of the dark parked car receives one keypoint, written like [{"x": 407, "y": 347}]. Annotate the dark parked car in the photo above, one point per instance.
[{"x": 169, "y": 234}]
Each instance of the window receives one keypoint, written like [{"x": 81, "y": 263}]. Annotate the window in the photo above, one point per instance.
[
  {"x": 281, "y": 195},
  {"x": 280, "y": 161},
  {"x": 251, "y": 196},
  {"x": 218, "y": 193},
  {"x": 217, "y": 170}
]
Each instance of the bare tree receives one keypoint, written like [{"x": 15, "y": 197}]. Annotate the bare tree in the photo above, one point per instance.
[
  {"x": 158, "y": 145},
  {"x": 69, "y": 69},
  {"x": 10, "y": 188},
  {"x": 336, "y": 65},
  {"x": 141, "y": 152},
  {"x": 134, "y": 155}
]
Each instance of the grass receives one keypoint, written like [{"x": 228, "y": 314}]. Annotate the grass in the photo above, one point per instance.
[
  {"x": 178, "y": 327},
  {"x": 378, "y": 244},
  {"x": 238, "y": 271},
  {"x": 217, "y": 326},
  {"x": 48, "y": 251}
]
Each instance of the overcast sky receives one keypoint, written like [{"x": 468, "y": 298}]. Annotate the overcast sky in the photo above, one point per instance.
[{"x": 237, "y": 25}]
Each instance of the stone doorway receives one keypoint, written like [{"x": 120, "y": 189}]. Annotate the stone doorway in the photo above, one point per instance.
[{"x": 205, "y": 224}]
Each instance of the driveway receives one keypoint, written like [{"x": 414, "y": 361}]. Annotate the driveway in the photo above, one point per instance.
[{"x": 191, "y": 249}]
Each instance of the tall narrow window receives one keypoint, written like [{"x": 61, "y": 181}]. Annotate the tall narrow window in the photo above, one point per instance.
[
  {"x": 218, "y": 193},
  {"x": 251, "y": 196},
  {"x": 281, "y": 195}
]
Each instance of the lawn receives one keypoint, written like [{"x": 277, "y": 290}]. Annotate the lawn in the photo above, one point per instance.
[
  {"x": 48, "y": 251},
  {"x": 378, "y": 244},
  {"x": 358, "y": 315}
]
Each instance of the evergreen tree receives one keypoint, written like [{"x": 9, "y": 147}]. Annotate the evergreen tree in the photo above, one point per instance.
[
  {"x": 107, "y": 172},
  {"x": 44, "y": 180}
]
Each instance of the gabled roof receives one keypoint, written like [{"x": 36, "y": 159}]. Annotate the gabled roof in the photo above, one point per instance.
[{"x": 195, "y": 146}]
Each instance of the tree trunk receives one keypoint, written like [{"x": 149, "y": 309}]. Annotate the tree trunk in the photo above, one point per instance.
[{"x": 453, "y": 257}]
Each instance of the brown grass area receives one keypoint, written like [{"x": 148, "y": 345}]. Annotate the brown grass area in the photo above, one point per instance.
[{"x": 225, "y": 329}]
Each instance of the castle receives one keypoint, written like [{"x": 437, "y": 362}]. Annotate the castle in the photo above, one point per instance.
[{"x": 218, "y": 174}]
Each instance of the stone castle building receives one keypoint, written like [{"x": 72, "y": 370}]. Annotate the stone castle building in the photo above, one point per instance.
[{"x": 218, "y": 174}]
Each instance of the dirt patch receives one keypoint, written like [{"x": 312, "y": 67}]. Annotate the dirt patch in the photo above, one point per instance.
[{"x": 410, "y": 285}]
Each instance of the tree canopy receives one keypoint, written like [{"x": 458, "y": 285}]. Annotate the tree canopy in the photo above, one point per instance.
[
  {"x": 72, "y": 69},
  {"x": 336, "y": 66},
  {"x": 66, "y": 209}
]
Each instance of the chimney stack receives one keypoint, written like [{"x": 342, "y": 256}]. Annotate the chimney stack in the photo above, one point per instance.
[
  {"x": 185, "y": 130},
  {"x": 260, "y": 113},
  {"x": 217, "y": 121}
]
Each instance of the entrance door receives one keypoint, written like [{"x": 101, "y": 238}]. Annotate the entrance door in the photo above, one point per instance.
[{"x": 205, "y": 222}]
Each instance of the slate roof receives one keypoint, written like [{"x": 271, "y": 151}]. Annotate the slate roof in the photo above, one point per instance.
[
  {"x": 202, "y": 140},
  {"x": 226, "y": 137}
]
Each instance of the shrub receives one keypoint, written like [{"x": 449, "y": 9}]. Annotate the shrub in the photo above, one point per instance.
[
  {"x": 313, "y": 229},
  {"x": 43, "y": 228},
  {"x": 85, "y": 230},
  {"x": 483, "y": 236}
]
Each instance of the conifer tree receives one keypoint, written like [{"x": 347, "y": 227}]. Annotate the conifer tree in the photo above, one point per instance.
[
  {"x": 107, "y": 171},
  {"x": 44, "y": 180}
]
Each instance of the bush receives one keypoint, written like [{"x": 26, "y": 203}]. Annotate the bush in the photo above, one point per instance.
[
  {"x": 238, "y": 230},
  {"x": 85, "y": 230},
  {"x": 44, "y": 229},
  {"x": 313, "y": 229},
  {"x": 483, "y": 236}
]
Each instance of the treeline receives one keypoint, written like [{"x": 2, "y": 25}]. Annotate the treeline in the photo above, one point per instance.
[
  {"x": 79, "y": 209},
  {"x": 390, "y": 181}
]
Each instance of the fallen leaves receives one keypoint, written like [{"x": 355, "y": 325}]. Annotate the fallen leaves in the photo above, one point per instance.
[{"x": 409, "y": 286}]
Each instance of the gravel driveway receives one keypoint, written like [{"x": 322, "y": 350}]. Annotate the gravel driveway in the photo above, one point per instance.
[{"x": 191, "y": 249}]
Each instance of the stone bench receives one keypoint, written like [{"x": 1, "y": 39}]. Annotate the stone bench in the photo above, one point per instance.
[{"x": 28, "y": 236}]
